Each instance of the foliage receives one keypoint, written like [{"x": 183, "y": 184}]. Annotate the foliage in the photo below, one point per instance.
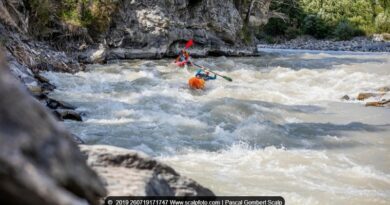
[
  {"x": 92, "y": 14},
  {"x": 345, "y": 31},
  {"x": 275, "y": 26},
  {"x": 360, "y": 13},
  {"x": 193, "y": 3},
  {"x": 292, "y": 32},
  {"x": 315, "y": 26},
  {"x": 47, "y": 15},
  {"x": 270, "y": 40},
  {"x": 382, "y": 22},
  {"x": 341, "y": 19},
  {"x": 246, "y": 34},
  {"x": 41, "y": 16}
]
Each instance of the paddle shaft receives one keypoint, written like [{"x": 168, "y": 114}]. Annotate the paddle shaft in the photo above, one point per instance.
[{"x": 225, "y": 77}]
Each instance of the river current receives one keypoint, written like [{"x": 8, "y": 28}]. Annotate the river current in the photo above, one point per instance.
[{"x": 280, "y": 128}]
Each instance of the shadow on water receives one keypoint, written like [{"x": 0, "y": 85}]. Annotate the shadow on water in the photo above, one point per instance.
[{"x": 167, "y": 125}]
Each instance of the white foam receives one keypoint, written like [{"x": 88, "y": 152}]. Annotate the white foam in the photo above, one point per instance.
[{"x": 280, "y": 128}]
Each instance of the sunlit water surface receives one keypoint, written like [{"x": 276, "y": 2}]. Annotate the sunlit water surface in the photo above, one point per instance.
[{"x": 280, "y": 128}]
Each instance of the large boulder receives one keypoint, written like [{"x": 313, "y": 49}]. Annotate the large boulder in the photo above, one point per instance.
[
  {"x": 130, "y": 173},
  {"x": 39, "y": 162},
  {"x": 165, "y": 25}
]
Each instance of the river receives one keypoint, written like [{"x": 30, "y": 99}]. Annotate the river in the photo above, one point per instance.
[{"x": 280, "y": 128}]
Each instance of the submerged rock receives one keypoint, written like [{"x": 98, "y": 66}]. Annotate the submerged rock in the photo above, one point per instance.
[
  {"x": 56, "y": 104},
  {"x": 39, "y": 162},
  {"x": 345, "y": 97},
  {"x": 379, "y": 104},
  {"x": 67, "y": 115},
  {"x": 130, "y": 173},
  {"x": 363, "y": 96}
]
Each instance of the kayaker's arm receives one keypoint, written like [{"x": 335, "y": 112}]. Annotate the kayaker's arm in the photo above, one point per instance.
[
  {"x": 199, "y": 72},
  {"x": 212, "y": 78}
]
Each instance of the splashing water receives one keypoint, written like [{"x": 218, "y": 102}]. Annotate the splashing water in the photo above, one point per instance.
[{"x": 280, "y": 128}]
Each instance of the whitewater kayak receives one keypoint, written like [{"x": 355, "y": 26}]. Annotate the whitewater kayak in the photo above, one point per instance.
[
  {"x": 181, "y": 63},
  {"x": 196, "y": 83}
]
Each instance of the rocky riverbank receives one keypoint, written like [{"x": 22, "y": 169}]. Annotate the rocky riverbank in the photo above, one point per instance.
[{"x": 362, "y": 44}]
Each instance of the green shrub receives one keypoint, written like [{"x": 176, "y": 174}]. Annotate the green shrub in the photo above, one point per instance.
[
  {"x": 345, "y": 31},
  {"x": 360, "y": 13},
  {"x": 315, "y": 26},
  {"x": 292, "y": 32},
  {"x": 46, "y": 16},
  {"x": 270, "y": 40},
  {"x": 41, "y": 16},
  {"x": 246, "y": 34},
  {"x": 382, "y": 23},
  {"x": 275, "y": 26}
]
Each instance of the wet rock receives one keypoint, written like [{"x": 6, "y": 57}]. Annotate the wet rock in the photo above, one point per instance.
[
  {"x": 379, "y": 104},
  {"x": 41, "y": 78},
  {"x": 94, "y": 55},
  {"x": 56, "y": 104},
  {"x": 363, "y": 96},
  {"x": 57, "y": 115},
  {"x": 34, "y": 89},
  {"x": 47, "y": 87},
  {"x": 345, "y": 97},
  {"x": 130, "y": 173},
  {"x": 41, "y": 97},
  {"x": 67, "y": 115},
  {"x": 39, "y": 163}
]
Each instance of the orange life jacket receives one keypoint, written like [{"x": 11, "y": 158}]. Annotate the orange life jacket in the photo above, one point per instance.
[{"x": 196, "y": 83}]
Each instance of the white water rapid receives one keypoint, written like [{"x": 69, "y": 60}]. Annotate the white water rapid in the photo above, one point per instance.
[{"x": 280, "y": 128}]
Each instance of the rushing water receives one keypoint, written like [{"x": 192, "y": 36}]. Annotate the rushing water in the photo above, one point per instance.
[{"x": 280, "y": 128}]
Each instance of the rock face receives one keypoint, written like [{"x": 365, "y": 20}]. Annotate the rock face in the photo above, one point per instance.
[
  {"x": 165, "y": 24},
  {"x": 155, "y": 29},
  {"x": 126, "y": 30},
  {"x": 130, "y": 173},
  {"x": 39, "y": 163}
]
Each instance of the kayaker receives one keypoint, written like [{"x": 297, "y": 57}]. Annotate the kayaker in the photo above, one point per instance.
[
  {"x": 198, "y": 82},
  {"x": 184, "y": 56},
  {"x": 204, "y": 75}
]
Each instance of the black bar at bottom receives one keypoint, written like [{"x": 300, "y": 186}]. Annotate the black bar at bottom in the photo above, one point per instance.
[{"x": 195, "y": 200}]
